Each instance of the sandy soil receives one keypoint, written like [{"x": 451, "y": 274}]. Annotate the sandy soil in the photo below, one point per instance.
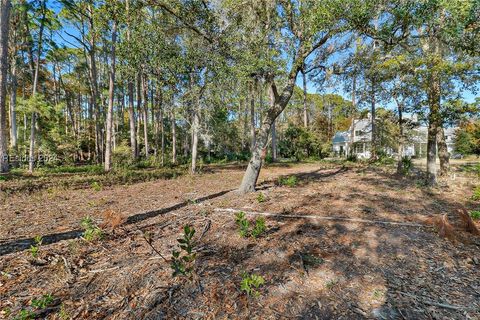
[{"x": 313, "y": 268}]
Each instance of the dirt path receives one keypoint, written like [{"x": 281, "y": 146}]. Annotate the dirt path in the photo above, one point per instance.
[{"x": 312, "y": 269}]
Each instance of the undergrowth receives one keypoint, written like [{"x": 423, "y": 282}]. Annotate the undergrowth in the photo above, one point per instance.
[
  {"x": 92, "y": 231},
  {"x": 243, "y": 224},
  {"x": 251, "y": 283},
  {"x": 290, "y": 181},
  {"x": 183, "y": 261}
]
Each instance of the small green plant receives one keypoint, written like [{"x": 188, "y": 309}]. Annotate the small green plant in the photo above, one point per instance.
[
  {"x": 261, "y": 198},
  {"x": 259, "y": 227},
  {"x": 330, "y": 284},
  {"x": 25, "y": 314},
  {"x": 38, "y": 304},
  {"x": 244, "y": 226},
  {"x": 3, "y": 178},
  {"x": 290, "y": 181},
  {"x": 310, "y": 260},
  {"x": 476, "y": 193},
  {"x": 35, "y": 248},
  {"x": 242, "y": 223},
  {"x": 406, "y": 165},
  {"x": 183, "y": 264},
  {"x": 475, "y": 214},
  {"x": 251, "y": 283},
  {"x": 96, "y": 186},
  {"x": 42, "y": 302},
  {"x": 92, "y": 231}
]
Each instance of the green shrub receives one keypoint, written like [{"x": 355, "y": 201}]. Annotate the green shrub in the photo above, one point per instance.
[
  {"x": 122, "y": 157},
  {"x": 92, "y": 231},
  {"x": 406, "y": 165},
  {"x": 290, "y": 181},
  {"x": 250, "y": 283},
  {"x": 261, "y": 198},
  {"x": 38, "y": 304},
  {"x": 475, "y": 214},
  {"x": 242, "y": 223},
  {"x": 35, "y": 248},
  {"x": 25, "y": 315},
  {"x": 244, "y": 226},
  {"x": 183, "y": 264},
  {"x": 43, "y": 302},
  {"x": 259, "y": 227},
  {"x": 352, "y": 158}
]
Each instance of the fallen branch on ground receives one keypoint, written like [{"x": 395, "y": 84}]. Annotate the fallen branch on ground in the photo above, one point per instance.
[
  {"x": 304, "y": 216},
  {"x": 433, "y": 303}
]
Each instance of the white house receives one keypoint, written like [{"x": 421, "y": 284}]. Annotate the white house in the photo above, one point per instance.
[{"x": 361, "y": 130}]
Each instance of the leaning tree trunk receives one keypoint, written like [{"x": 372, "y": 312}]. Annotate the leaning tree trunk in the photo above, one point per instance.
[
  {"x": 278, "y": 104},
  {"x": 4, "y": 26},
  {"x": 111, "y": 95},
  {"x": 443, "y": 154}
]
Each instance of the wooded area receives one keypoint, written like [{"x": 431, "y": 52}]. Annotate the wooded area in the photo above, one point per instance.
[{"x": 253, "y": 130}]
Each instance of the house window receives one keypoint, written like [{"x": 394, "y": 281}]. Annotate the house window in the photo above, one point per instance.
[
  {"x": 358, "y": 133},
  {"x": 359, "y": 148}
]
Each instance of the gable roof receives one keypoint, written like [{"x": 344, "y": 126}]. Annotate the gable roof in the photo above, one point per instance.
[{"x": 340, "y": 137}]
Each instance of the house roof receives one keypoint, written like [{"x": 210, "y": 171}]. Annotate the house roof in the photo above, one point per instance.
[{"x": 340, "y": 137}]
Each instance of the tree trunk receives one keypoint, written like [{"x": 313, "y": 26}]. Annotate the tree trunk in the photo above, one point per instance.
[
  {"x": 111, "y": 96},
  {"x": 279, "y": 102},
  {"x": 94, "y": 91},
  {"x": 31, "y": 155},
  {"x": 373, "y": 155},
  {"x": 131, "y": 111},
  {"x": 434, "y": 117},
  {"x": 273, "y": 128},
  {"x": 443, "y": 154},
  {"x": 401, "y": 140},
  {"x": 139, "y": 110},
  {"x": 174, "y": 139},
  {"x": 13, "y": 107},
  {"x": 305, "y": 108},
  {"x": 274, "y": 142},
  {"x": 4, "y": 28},
  {"x": 245, "y": 126},
  {"x": 195, "y": 127},
  {"x": 252, "y": 117},
  {"x": 131, "y": 119},
  {"x": 145, "y": 114}
]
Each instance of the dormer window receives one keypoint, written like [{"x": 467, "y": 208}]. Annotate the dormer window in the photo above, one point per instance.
[{"x": 358, "y": 133}]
